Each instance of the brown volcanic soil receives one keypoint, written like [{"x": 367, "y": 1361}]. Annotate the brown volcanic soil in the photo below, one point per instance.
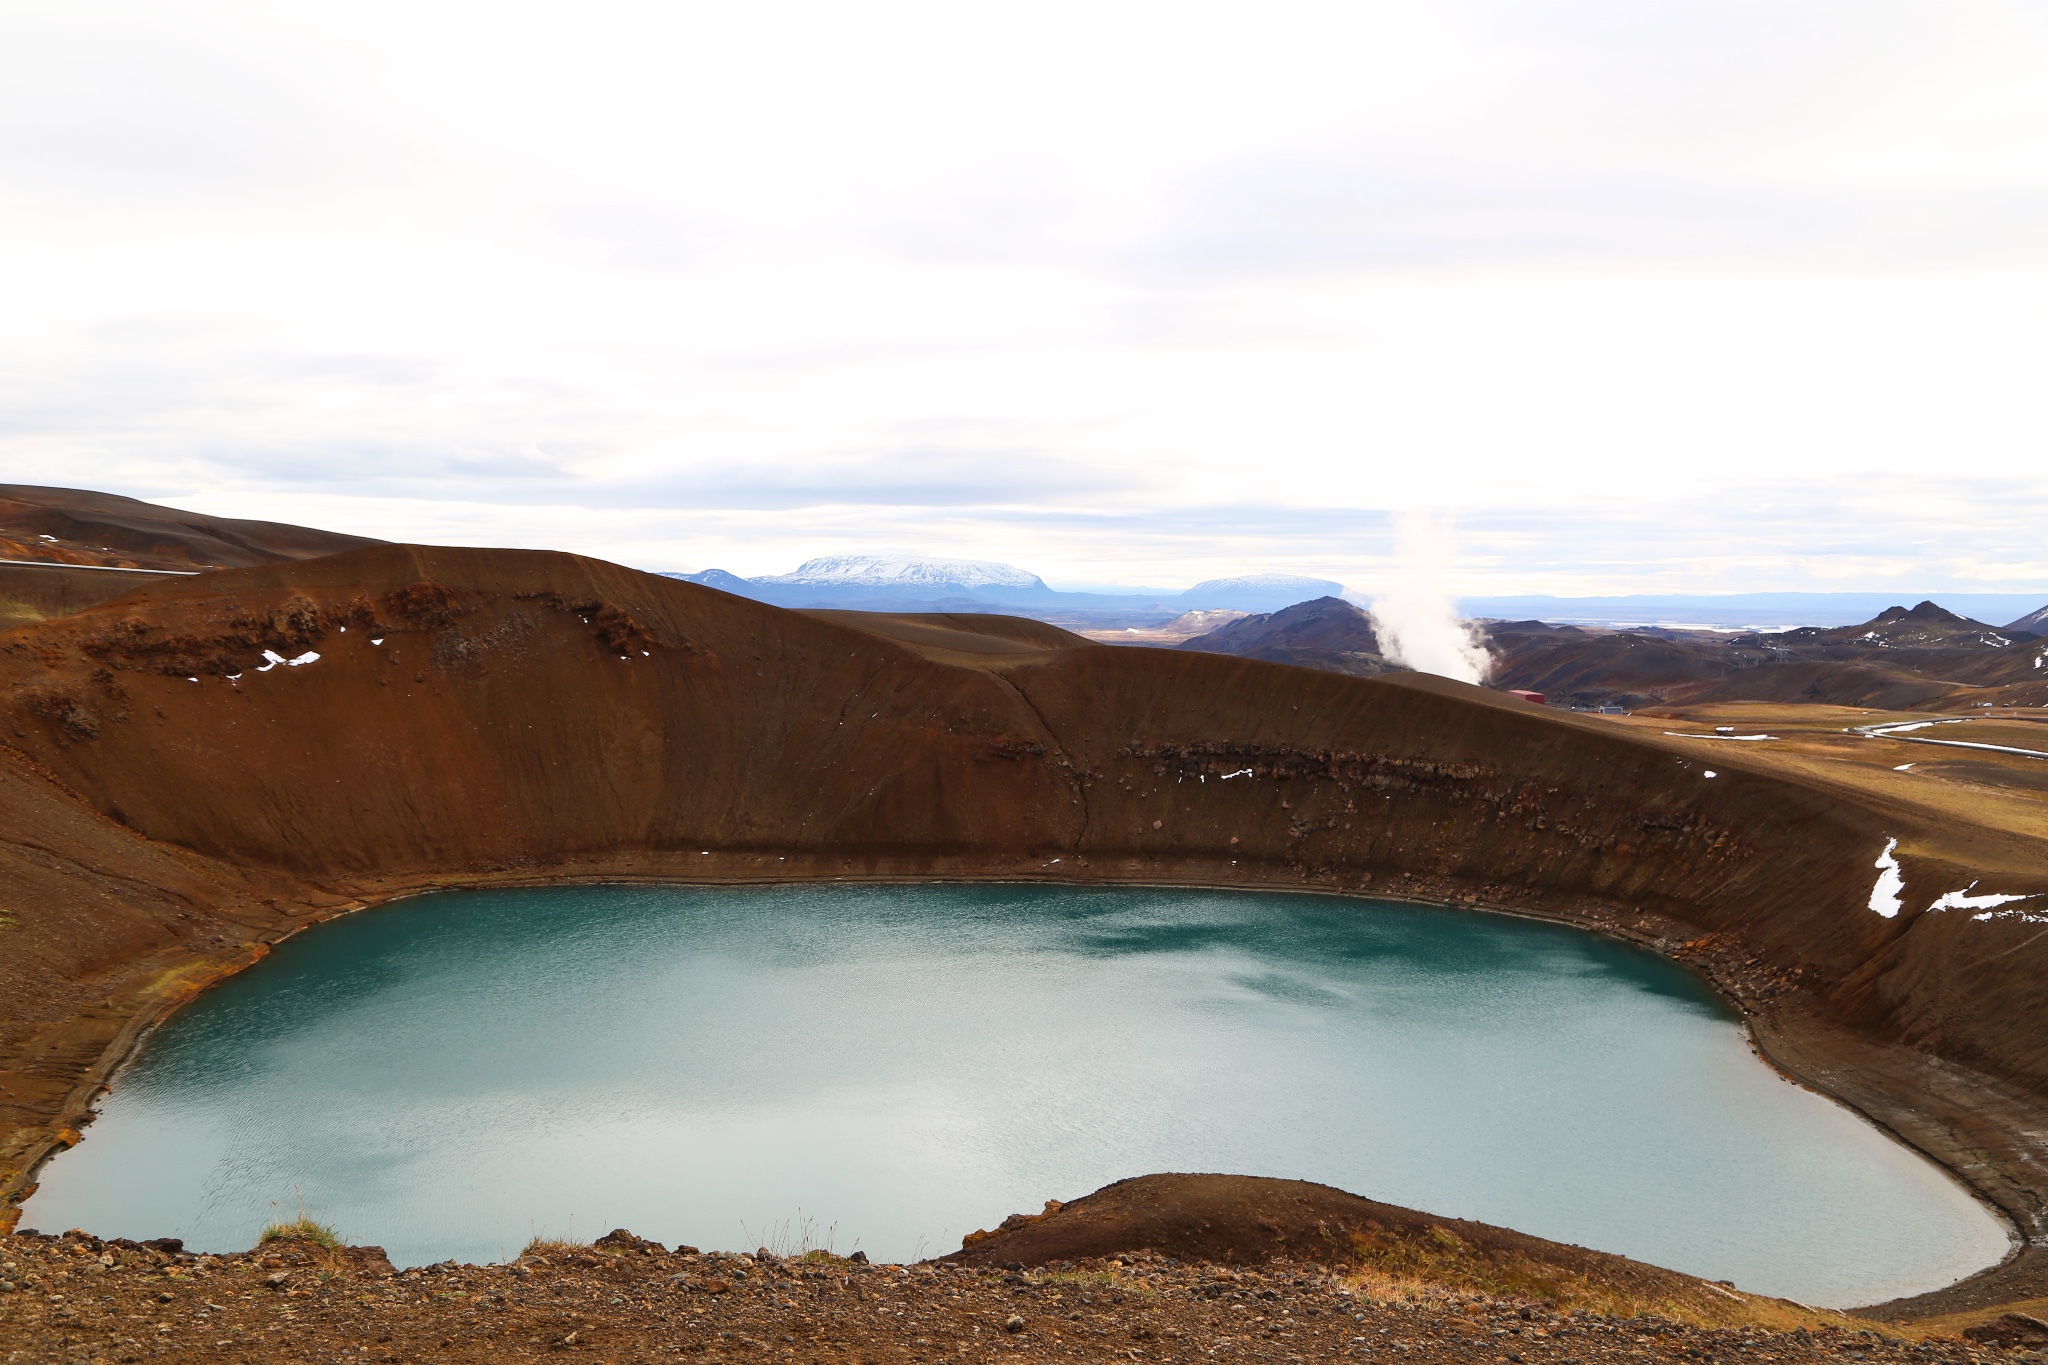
[
  {"x": 169, "y": 805},
  {"x": 1106, "y": 1277}
]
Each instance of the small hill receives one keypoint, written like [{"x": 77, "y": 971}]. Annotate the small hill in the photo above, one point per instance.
[
  {"x": 63, "y": 549},
  {"x": 1327, "y": 633},
  {"x": 1247, "y": 1221},
  {"x": 1925, "y": 626},
  {"x": 73, "y": 526}
]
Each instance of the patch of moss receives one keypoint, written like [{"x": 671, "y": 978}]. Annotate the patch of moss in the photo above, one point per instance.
[
  {"x": 302, "y": 1229},
  {"x": 544, "y": 1246}
]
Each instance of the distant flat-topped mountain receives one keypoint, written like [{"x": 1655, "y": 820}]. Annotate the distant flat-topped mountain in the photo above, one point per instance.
[
  {"x": 906, "y": 571},
  {"x": 886, "y": 583},
  {"x": 1258, "y": 592},
  {"x": 896, "y": 582}
]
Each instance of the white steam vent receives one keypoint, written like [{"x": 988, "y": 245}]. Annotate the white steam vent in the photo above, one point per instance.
[{"x": 1414, "y": 616}]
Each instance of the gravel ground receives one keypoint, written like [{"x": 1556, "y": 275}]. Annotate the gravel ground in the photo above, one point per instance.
[{"x": 78, "y": 1299}]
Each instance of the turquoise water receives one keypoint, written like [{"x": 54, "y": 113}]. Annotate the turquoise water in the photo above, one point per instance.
[{"x": 896, "y": 1066}]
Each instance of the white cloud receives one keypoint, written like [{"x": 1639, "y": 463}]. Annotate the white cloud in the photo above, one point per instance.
[{"x": 1718, "y": 296}]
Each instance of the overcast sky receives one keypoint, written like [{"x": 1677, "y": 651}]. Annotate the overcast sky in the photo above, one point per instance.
[{"x": 1646, "y": 295}]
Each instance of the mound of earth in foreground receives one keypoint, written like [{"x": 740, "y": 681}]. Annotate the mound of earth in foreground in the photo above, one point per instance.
[{"x": 1168, "y": 1268}]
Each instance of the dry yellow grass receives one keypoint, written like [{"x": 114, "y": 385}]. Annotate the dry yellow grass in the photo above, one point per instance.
[{"x": 1444, "y": 1271}]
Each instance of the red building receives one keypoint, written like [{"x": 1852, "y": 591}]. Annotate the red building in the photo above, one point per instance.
[{"x": 1533, "y": 698}]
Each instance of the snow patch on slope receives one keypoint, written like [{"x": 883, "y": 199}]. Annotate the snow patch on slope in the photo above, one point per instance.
[
  {"x": 1963, "y": 900},
  {"x": 1884, "y": 897}
]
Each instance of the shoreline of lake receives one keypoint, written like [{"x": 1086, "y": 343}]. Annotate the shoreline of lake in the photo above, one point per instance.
[{"x": 1791, "y": 1049}]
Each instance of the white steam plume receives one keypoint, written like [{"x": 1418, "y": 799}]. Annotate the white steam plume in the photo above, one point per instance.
[{"x": 1414, "y": 616}]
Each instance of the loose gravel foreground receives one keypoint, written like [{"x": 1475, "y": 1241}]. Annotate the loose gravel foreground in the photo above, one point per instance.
[{"x": 77, "y": 1298}]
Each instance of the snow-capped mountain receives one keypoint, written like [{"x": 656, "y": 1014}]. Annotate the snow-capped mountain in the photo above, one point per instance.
[
  {"x": 1276, "y": 581},
  {"x": 719, "y": 579},
  {"x": 907, "y": 573}
]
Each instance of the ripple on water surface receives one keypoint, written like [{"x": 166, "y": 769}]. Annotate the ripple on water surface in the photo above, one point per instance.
[{"x": 900, "y": 1065}]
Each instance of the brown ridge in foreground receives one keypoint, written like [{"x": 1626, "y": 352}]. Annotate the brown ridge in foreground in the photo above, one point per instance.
[
  {"x": 195, "y": 769},
  {"x": 299, "y": 1296}
]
